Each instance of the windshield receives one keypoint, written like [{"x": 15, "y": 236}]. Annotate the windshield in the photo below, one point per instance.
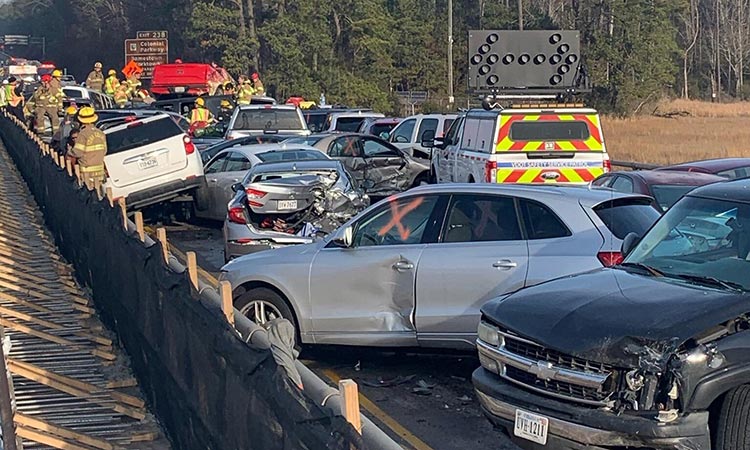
[
  {"x": 700, "y": 238},
  {"x": 350, "y": 124},
  {"x": 316, "y": 122},
  {"x": 667, "y": 195},
  {"x": 268, "y": 119}
]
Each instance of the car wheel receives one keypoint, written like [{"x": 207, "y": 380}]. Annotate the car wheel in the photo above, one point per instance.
[
  {"x": 734, "y": 420},
  {"x": 262, "y": 305},
  {"x": 421, "y": 180}
]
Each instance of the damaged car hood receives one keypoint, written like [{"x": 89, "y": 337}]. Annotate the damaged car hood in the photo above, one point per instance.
[{"x": 615, "y": 317}]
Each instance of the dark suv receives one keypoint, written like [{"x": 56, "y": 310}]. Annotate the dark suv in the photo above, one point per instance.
[{"x": 651, "y": 353}]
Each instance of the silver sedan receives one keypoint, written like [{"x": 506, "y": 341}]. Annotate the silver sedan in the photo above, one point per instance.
[{"x": 414, "y": 269}]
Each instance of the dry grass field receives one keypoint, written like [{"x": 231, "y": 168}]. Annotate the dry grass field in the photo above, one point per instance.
[{"x": 681, "y": 131}]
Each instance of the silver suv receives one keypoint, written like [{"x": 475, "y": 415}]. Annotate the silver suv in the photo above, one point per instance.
[
  {"x": 266, "y": 119},
  {"x": 414, "y": 269}
]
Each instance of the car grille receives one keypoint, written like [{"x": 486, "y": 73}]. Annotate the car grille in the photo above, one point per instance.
[
  {"x": 558, "y": 388},
  {"x": 538, "y": 353}
]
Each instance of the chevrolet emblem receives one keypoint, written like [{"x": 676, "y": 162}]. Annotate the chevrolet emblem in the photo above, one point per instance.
[{"x": 543, "y": 370}]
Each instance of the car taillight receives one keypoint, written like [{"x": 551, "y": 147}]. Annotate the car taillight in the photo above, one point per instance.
[
  {"x": 490, "y": 171},
  {"x": 254, "y": 194},
  {"x": 609, "y": 259},
  {"x": 236, "y": 215},
  {"x": 189, "y": 146},
  {"x": 607, "y": 165}
]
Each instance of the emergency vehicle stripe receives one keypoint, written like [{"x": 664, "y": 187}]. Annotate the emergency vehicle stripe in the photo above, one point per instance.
[
  {"x": 593, "y": 143},
  {"x": 534, "y": 175}
]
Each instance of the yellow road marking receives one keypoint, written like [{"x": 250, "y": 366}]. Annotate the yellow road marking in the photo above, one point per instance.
[{"x": 382, "y": 416}]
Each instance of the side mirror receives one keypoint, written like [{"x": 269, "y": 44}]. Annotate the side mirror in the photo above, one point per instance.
[
  {"x": 385, "y": 135},
  {"x": 629, "y": 243},
  {"x": 344, "y": 238},
  {"x": 428, "y": 138},
  {"x": 236, "y": 187},
  {"x": 439, "y": 142}
]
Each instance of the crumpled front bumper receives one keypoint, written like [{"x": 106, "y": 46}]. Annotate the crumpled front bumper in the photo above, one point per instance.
[{"x": 576, "y": 427}]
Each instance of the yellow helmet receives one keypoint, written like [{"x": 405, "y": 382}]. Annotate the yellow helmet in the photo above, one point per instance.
[
  {"x": 87, "y": 115},
  {"x": 57, "y": 73},
  {"x": 226, "y": 104},
  {"x": 97, "y": 65},
  {"x": 112, "y": 72},
  {"x": 71, "y": 110},
  {"x": 200, "y": 102}
]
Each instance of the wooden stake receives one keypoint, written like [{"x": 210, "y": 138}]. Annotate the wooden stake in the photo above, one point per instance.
[
  {"x": 124, "y": 210},
  {"x": 161, "y": 236},
  {"x": 192, "y": 266},
  {"x": 98, "y": 188},
  {"x": 69, "y": 166},
  {"x": 77, "y": 170},
  {"x": 350, "y": 403},
  {"x": 139, "y": 226},
  {"x": 225, "y": 289},
  {"x": 110, "y": 196}
]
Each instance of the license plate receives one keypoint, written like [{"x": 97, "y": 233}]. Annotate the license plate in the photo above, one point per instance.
[
  {"x": 287, "y": 204},
  {"x": 531, "y": 427},
  {"x": 147, "y": 163},
  {"x": 179, "y": 90}
]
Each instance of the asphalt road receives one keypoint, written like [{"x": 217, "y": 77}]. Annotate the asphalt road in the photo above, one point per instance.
[{"x": 424, "y": 399}]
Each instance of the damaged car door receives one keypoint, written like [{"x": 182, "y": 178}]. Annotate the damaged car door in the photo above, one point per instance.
[
  {"x": 222, "y": 173},
  {"x": 363, "y": 293},
  {"x": 481, "y": 254},
  {"x": 387, "y": 169}
]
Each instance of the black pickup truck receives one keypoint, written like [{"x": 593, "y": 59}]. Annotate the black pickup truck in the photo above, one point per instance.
[{"x": 652, "y": 353}]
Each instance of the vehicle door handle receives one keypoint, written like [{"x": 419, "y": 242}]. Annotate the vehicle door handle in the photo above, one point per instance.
[
  {"x": 504, "y": 264},
  {"x": 213, "y": 180},
  {"x": 403, "y": 266}
]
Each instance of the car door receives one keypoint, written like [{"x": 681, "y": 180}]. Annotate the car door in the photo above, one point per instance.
[
  {"x": 449, "y": 151},
  {"x": 425, "y": 127},
  {"x": 401, "y": 136},
  {"x": 385, "y": 167},
  {"x": 480, "y": 255},
  {"x": 221, "y": 183},
  {"x": 205, "y": 195},
  {"x": 365, "y": 294},
  {"x": 348, "y": 150}
]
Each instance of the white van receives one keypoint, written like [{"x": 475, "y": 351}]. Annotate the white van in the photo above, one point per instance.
[
  {"x": 412, "y": 131},
  {"x": 522, "y": 145},
  {"x": 151, "y": 160}
]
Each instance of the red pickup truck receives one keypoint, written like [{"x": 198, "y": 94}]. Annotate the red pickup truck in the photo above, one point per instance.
[{"x": 188, "y": 79}]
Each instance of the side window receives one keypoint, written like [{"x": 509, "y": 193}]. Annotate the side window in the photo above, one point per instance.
[
  {"x": 427, "y": 125},
  {"x": 447, "y": 125},
  {"x": 602, "y": 181},
  {"x": 402, "y": 133},
  {"x": 217, "y": 164},
  {"x": 469, "y": 140},
  {"x": 237, "y": 162},
  {"x": 623, "y": 184},
  {"x": 452, "y": 136},
  {"x": 541, "y": 222},
  {"x": 399, "y": 222},
  {"x": 485, "y": 136},
  {"x": 348, "y": 146},
  {"x": 481, "y": 218},
  {"x": 374, "y": 148}
]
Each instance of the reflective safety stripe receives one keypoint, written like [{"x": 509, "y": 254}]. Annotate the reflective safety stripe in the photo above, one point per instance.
[
  {"x": 593, "y": 143},
  {"x": 89, "y": 148},
  {"x": 548, "y": 175},
  {"x": 99, "y": 168},
  {"x": 199, "y": 115}
]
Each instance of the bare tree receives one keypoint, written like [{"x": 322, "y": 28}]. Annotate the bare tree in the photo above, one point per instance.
[{"x": 689, "y": 32}]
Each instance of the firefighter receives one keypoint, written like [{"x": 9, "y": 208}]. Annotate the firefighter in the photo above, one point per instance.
[
  {"x": 225, "y": 112},
  {"x": 45, "y": 104},
  {"x": 134, "y": 83},
  {"x": 257, "y": 84},
  {"x": 229, "y": 88},
  {"x": 111, "y": 83},
  {"x": 4, "y": 95},
  {"x": 95, "y": 80},
  {"x": 200, "y": 113},
  {"x": 15, "y": 99},
  {"x": 121, "y": 95},
  {"x": 56, "y": 79},
  {"x": 69, "y": 123},
  {"x": 245, "y": 94},
  {"x": 90, "y": 148}
]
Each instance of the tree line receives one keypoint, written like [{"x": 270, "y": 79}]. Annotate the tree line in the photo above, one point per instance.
[{"x": 359, "y": 52}]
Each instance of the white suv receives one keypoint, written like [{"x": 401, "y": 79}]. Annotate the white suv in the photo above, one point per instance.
[
  {"x": 412, "y": 131},
  {"x": 264, "y": 119},
  {"x": 151, "y": 160}
]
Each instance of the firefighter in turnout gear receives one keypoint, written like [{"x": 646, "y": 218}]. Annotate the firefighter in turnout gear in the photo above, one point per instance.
[
  {"x": 46, "y": 104},
  {"x": 225, "y": 113},
  {"x": 56, "y": 76},
  {"x": 245, "y": 94},
  {"x": 121, "y": 95},
  {"x": 134, "y": 83},
  {"x": 257, "y": 84},
  {"x": 95, "y": 80},
  {"x": 200, "y": 114},
  {"x": 90, "y": 148},
  {"x": 112, "y": 83}
]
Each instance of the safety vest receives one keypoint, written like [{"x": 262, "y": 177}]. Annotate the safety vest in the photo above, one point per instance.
[
  {"x": 10, "y": 94},
  {"x": 199, "y": 114},
  {"x": 3, "y": 97},
  {"x": 121, "y": 95},
  {"x": 111, "y": 84}
]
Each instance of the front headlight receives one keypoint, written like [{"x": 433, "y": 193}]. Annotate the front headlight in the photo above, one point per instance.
[{"x": 489, "y": 334}]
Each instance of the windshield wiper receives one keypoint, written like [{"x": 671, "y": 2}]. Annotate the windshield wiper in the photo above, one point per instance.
[
  {"x": 712, "y": 281},
  {"x": 652, "y": 271}
]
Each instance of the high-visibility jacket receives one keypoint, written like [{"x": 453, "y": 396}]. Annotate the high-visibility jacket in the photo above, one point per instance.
[
  {"x": 56, "y": 97},
  {"x": 245, "y": 95},
  {"x": 3, "y": 97},
  {"x": 13, "y": 98},
  {"x": 90, "y": 149},
  {"x": 133, "y": 85},
  {"x": 111, "y": 84},
  {"x": 200, "y": 114},
  {"x": 121, "y": 95}
]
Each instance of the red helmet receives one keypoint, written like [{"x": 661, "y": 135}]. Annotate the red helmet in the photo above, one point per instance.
[
  {"x": 254, "y": 76},
  {"x": 46, "y": 78},
  {"x": 178, "y": 61}
]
